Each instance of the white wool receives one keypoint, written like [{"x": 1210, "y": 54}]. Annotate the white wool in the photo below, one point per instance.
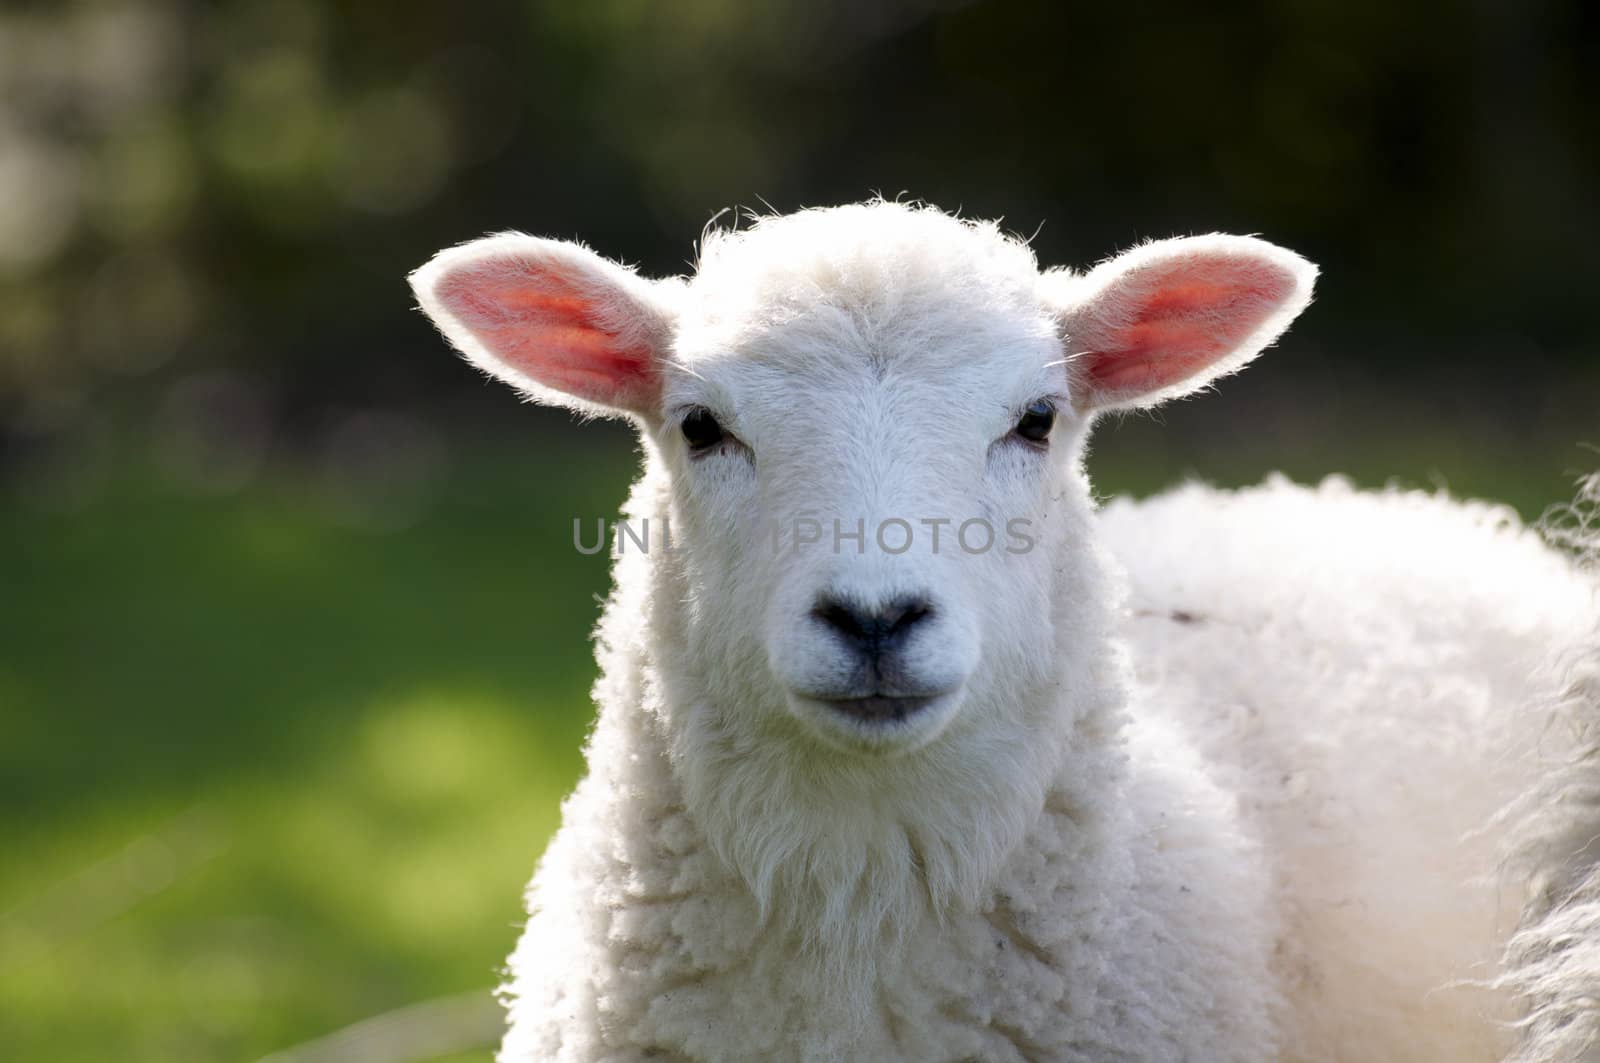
[
  {"x": 1371, "y": 672},
  {"x": 1210, "y": 777}
]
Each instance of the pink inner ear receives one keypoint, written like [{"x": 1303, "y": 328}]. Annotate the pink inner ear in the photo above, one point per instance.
[
  {"x": 540, "y": 321},
  {"x": 1175, "y": 319}
]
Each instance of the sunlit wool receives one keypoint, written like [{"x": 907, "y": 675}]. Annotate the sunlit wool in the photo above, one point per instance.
[{"x": 1211, "y": 777}]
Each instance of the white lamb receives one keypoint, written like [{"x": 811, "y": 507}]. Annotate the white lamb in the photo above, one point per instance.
[{"x": 1283, "y": 773}]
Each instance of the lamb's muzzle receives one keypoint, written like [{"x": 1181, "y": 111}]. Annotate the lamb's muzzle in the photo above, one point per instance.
[{"x": 875, "y": 645}]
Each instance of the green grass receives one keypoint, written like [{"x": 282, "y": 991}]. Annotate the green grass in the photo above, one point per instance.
[{"x": 264, "y": 775}]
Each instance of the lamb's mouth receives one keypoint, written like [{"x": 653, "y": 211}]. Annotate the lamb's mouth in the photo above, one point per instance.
[
  {"x": 879, "y": 708},
  {"x": 876, "y": 722}
]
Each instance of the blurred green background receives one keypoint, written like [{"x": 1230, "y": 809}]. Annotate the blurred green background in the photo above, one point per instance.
[{"x": 293, "y": 641}]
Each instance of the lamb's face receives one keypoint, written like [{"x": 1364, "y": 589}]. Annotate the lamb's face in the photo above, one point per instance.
[
  {"x": 870, "y": 419},
  {"x": 866, "y": 463}
]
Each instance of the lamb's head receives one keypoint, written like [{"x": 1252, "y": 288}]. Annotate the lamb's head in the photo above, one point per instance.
[
  {"x": 882, "y": 632},
  {"x": 868, "y": 421}
]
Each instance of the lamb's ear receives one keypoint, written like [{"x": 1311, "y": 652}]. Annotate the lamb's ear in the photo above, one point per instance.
[
  {"x": 552, "y": 319},
  {"x": 1167, "y": 318}
]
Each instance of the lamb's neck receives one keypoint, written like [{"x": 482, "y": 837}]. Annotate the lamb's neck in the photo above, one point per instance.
[{"x": 825, "y": 895}]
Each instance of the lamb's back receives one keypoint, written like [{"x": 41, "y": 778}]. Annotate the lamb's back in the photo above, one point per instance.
[{"x": 1371, "y": 673}]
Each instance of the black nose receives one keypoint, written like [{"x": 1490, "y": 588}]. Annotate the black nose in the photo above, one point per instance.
[{"x": 872, "y": 631}]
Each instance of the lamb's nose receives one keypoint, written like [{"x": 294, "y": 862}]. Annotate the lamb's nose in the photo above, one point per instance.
[{"x": 872, "y": 631}]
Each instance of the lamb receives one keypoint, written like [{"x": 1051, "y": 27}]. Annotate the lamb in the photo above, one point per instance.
[{"x": 1282, "y": 773}]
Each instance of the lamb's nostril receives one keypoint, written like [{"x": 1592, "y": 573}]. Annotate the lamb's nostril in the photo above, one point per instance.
[
  {"x": 903, "y": 614},
  {"x": 845, "y": 620},
  {"x": 872, "y": 629}
]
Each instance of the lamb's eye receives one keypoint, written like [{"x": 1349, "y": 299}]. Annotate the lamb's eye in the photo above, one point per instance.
[
  {"x": 1036, "y": 421},
  {"x": 701, "y": 430}
]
